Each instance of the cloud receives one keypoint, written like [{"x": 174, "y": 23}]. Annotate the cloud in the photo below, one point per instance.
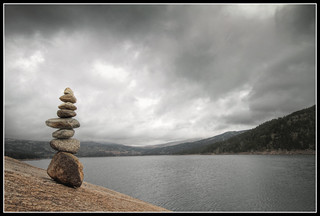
[
  {"x": 146, "y": 74},
  {"x": 287, "y": 80},
  {"x": 296, "y": 21}
]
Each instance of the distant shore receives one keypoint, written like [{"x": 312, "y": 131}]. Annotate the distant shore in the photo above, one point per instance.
[{"x": 271, "y": 152}]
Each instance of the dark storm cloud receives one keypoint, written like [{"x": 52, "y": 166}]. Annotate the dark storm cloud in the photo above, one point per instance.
[
  {"x": 29, "y": 19},
  {"x": 284, "y": 75},
  {"x": 289, "y": 81},
  {"x": 152, "y": 73},
  {"x": 297, "y": 21},
  {"x": 49, "y": 19}
]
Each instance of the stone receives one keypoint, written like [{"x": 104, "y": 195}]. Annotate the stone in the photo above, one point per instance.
[
  {"x": 64, "y": 113},
  {"x": 68, "y": 91},
  {"x": 66, "y": 169},
  {"x": 68, "y": 106},
  {"x": 63, "y": 133},
  {"x": 63, "y": 123},
  {"x": 68, "y": 98},
  {"x": 66, "y": 145}
]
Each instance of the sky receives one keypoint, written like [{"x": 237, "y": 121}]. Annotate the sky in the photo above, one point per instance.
[{"x": 147, "y": 74}]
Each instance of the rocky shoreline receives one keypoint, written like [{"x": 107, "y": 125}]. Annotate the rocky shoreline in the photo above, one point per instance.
[{"x": 30, "y": 189}]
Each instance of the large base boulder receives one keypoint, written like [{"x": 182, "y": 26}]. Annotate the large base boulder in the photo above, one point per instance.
[{"x": 66, "y": 169}]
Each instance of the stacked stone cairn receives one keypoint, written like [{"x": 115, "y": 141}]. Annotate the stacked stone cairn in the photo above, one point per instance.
[{"x": 64, "y": 167}]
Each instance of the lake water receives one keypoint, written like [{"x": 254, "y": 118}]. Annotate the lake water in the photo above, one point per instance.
[{"x": 209, "y": 182}]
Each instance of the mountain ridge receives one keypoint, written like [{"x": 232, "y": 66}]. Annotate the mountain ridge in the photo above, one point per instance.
[
  {"x": 295, "y": 131},
  {"x": 29, "y": 149}
]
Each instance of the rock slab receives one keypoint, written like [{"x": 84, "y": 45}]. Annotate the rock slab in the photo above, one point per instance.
[
  {"x": 66, "y": 169},
  {"x": 29, "y": 189}
]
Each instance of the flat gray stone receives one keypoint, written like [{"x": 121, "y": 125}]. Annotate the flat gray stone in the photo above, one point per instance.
[
  {"x": 63, "y": 123},
  {"x": 63, "y": 133},
  {"x": 68, "y": 106},
  {"x": 68, "y": 98},
  {"x": 64, "y": 113},
  {"x": 66, "y": 145}
]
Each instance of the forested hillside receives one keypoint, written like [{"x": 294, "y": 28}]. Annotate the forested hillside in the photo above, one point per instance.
[{"x": 292, "y": 132}]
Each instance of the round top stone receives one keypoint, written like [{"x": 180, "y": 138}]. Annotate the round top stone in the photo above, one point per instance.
[{"x": 68, "y": 91}]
